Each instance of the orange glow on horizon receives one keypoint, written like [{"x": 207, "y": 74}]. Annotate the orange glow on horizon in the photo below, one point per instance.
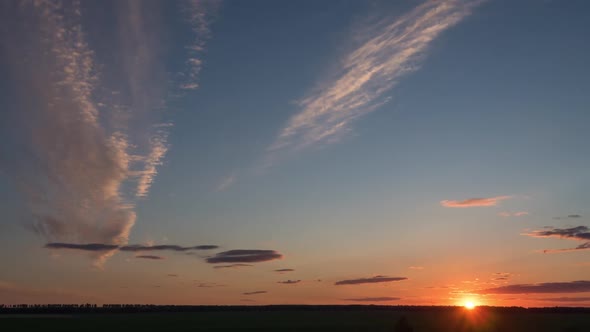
[{"x": 469, "y": 305}]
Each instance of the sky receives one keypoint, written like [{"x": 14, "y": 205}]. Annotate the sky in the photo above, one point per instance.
[{"x": 295, "y": 152}]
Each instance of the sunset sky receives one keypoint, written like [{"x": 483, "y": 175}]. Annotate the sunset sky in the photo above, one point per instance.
[{"x": 295, "y": 152}]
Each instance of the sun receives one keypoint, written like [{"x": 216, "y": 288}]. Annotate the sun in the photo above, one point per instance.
[{"x": 469, "y": 305}]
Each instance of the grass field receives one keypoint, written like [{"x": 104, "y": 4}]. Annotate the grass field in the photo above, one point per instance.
[{"x": 473, "y": 321}]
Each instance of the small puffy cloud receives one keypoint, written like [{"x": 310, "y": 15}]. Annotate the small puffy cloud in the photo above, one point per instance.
[
  {"x": 244, "y": 256},
  {"x": 231, "y": 266},
  {"x": 289, "y": 282},
  {"x": 154, "y": 257},
  {"x": 474, "y": 202},
  {"x": 371, "y": 280},
  {"x": 373, "y": 299},
  {"x": 255, "y": 292},
  {"x": 580, "y": 286}
]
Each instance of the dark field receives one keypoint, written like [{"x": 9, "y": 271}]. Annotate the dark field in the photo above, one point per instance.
[{"x": 455, "y": 320}]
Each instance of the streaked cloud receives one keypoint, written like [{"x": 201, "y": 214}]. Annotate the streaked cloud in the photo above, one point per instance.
[
  {"x": 565, "y": 299},
  {"x": 152, "y": 257},
  {"x": 231, "y": 266},
  {"x": 244, "y": 256},
  {"x": 506, "y": 214},
  {"x": 172, "y": 275},
  {"x": 474, "y": 202},
  {"x": 416, "y": 267},
  {"x": 226, "y": 182},
  {"x": 101, "y": 247},
  {"x": 373, "y": 299},
  {"x": 255, "y": 293},
  {"x": 289, "y": 282},
  {"x": 371, "y": 280},
  {"x": 170, "y": 247},
  {"x": 570, "y": 216},
  {"x": 85, "y": 247},
  {"x": 284, "y": 270},
  {"x": 395, "y": 46},
  {"x": 580, "y": 286},
  {"x": 93, "y": 129},
  {"x": 578, "y": 233}
]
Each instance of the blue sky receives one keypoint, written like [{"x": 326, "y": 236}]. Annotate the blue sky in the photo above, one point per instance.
[{"x": 328, "y": 132}]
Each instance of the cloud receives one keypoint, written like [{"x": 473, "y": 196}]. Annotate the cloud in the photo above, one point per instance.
[
  {"x": 244, "y": 256},
  {"x": 231, "y": 266},
  {"x": 513, "y": 214},
  {"x": 226, "y": 182},
  {"x": 394, "y": 47},
  {"x": 154, "y": 257},
  {"x": 373, "y": 299},
  {"x": 199, "y": 14},
  {"x": 474, "y": 202},
  {"x": 289, "y": 282},
  {"x": 578, "y": 233},
  {"x": 85, "y": 247},
  {"x": 580, "y": 286},
  {"x": 416, "y": 268},
  {"x": 284, "y": 270},
  {"x": 255, "y": 293},
  {"x": 88, "y": 117},
  {"x": 101, "y": 247},
  {"x": 371, "y": 280},
  {"x": 172, "y": 275},
  {"x": 170, "y": 247},
  {"x": 574, "y": 216},
  {"x": 209, "y": 285},
  {"x": 565, "y": 299}
]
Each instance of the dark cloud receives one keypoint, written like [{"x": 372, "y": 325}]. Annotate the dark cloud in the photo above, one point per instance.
[
  {"x": 255, "y": 292},
  {"x": 99, "y": 247},
  {"x": 172, "y": 275},
  {"x": 85, "y": 247},
  {"x": 149, "y": 257},
  {"x": 231, "y": 266},
  {"x": 566, "y": 299},
  {"x": 171, "y": 247},
  {"x": 374, "y": 299},
  {"x": 578, "y": 233},
  {"x": 288, "y": 282},
  {"x": 371, "y": 280},
  {"x": 580, "y": 286},
  {"x": 284, "y": 270},
  {"x": 244, "y": 256},
  {"x": 500, "y": 278}
]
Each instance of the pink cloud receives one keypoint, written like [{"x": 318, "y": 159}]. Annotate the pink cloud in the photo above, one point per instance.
[{"x": 474, "y": 202}]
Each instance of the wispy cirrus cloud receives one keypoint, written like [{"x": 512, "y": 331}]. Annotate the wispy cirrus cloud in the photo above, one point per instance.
[
  {"x": 226, "y": 182},
  {"x": 578, "y": 233},
  {"x": 373, "y": 299},
  {"x": 394, "y": 48},
  {"x": 91, "y": 129},
  {"x": 580, "y": 286},
  {"x": 244, "y": 256},
  {"x": 371, "y": 280},
  {"x": 474, "y": 202},
  {"x": 507, "y": 214}
]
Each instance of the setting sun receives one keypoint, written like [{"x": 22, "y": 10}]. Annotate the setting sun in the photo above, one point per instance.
[{"x": 469, "y": 305}]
